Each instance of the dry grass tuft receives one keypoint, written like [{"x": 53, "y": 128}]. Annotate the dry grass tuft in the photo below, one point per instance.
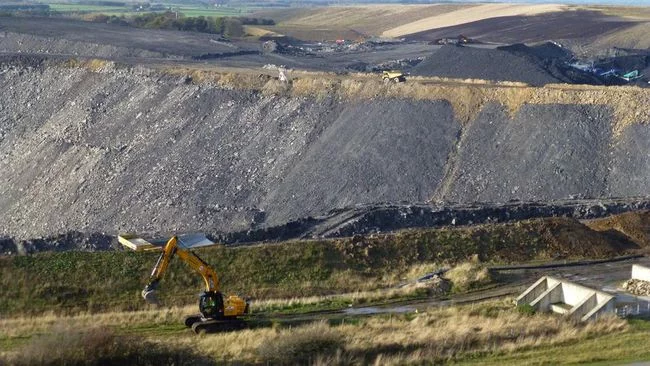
[
  {"x": 444, "y": 335},
  {"x": 300, "y": 345},
  {"x": 100, "y": 346},
  {"x": 94, "y": 65},
  {"x": 468, "y": 275},
  {"x": 26, "y": 325},
  {"x": 435, "y": 335},
  {"x": 275, "y": 87}
]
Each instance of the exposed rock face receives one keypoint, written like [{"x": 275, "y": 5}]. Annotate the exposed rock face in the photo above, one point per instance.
[
  {"x": 545, "y": 152},
  {"x": 126, "y": 149},
  {"x": 119, "y": 150}
]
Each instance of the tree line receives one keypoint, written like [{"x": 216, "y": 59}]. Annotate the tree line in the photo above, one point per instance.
[{"x": 227, "y": 26}]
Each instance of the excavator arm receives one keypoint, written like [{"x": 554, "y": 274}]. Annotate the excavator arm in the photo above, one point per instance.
[{"x": 171, "y": 249}]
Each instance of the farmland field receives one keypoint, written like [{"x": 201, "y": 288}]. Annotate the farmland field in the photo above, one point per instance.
[{"x": 187, "y": 10}]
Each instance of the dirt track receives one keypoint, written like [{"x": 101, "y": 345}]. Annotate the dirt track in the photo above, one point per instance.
[{"x": 607, "y": 276}]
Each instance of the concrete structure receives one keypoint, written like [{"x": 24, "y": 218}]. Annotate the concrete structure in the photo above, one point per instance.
[
  {"x": 640, "y": 272},
  {"x": 629, "y": 303},
  {"x": 570, "y": 299}
]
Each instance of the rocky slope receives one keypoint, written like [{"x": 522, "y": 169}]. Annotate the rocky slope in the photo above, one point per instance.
[{"x": 127, "y": 149}]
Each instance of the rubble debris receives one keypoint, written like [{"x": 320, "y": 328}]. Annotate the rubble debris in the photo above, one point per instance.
[{"x": 637, "y": 287}]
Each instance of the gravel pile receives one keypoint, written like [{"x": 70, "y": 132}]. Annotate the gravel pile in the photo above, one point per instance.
[{"x": 637, "y": 287}]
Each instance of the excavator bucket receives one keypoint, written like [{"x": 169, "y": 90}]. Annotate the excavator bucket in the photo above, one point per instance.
[{"x": 150, "y": 297}]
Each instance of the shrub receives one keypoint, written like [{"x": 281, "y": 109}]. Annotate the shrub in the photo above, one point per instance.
[{"x": 526, "y": 309}]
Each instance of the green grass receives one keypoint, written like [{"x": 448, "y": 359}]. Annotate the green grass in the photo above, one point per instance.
[
  {"x": 619, "y": 348},
  {"x": 215, "y": 12},
  {"x": 187, "y": 10},
  {"x": 64, "y": 8},
  {"x": 69, "y": 282}
]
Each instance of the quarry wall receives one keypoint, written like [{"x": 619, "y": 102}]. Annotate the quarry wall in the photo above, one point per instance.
[{"x": 107, "y": 149}]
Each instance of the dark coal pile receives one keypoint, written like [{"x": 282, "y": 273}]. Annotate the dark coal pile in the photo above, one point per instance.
[
  {"x": 536, "y": 65},
  {"x": 544, "y": 51},
  {"x": 414, "y": 138},
  {"x": 486, "y": 64},
  {"x": 631, "y": 156}
]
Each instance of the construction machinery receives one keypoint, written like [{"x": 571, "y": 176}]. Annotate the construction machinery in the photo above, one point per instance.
[
  {"x": 216, "y": 312},
  {"x": 394, "y": 76}
]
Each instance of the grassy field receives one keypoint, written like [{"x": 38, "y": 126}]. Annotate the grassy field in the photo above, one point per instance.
[
  {"x": 86, "y": 306},
  {"x": 69, "y": 282},
  {"x": 185, "y": 9},
  {"x": 349, "y": 22},
  {"x": 488, "y": 333},
  {"x": 473, "y": 14},
  {"x": 618, "y": 348}
]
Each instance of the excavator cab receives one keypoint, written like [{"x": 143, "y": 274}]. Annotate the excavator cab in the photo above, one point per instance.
[{"x": 211, "y": 305}]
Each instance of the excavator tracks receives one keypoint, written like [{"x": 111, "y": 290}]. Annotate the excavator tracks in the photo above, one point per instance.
[{"x": 217, "y": 326}]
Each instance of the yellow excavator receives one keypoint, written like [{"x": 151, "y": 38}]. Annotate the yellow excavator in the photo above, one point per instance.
[{"x": 217, "y": 313}]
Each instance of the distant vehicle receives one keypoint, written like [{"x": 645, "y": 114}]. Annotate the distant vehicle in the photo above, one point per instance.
[
  {"x": 460, "y": 40},
  {"x": 632, "y": 75},
  {"x": 395, "y": 76}
]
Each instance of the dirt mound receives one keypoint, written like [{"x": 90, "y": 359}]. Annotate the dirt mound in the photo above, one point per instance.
[
  {"x": 633, "y": 225},
  {"x": 71, "y": 37},
  {"x": 567, "y": 238},
  {"x": 486, "y": 64}
]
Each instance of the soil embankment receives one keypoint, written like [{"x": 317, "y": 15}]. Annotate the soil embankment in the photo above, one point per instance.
[{"x": 106, "y": 149}]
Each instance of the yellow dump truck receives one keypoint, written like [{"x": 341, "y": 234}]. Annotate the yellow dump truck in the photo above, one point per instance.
[{"x": 394, "y": 76}]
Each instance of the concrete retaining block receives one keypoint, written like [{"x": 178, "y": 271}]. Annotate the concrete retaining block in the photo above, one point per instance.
[
  {"x": 640, "y": 272},
  {"x": 574, "y": 300}
]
